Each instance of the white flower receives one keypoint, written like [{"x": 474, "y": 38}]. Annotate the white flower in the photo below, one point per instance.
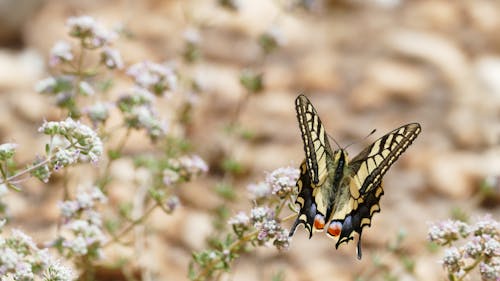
[
  {"x": 86, "y": 89},
  {"x": 46, "y": 85},
  {"x": 112, "y": 58},
  {"x": 61, "y": 52},
  {"x": 78, "y": 245},
  {"x": 57, "y": 272},
  {"x": 240, "y": 219},
  {"x": 259, "y": 191},
  {"x": 258, "y": 214}
]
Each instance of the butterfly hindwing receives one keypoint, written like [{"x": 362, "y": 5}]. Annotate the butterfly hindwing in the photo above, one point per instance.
[{"x": 305, "y": 200}]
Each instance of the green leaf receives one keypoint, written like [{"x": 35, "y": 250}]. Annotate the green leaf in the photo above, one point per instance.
[
  {"x": 114, "y": 154},
  {"x": 225, "y": 191},
  {"x": 279, "y": 276},
  {"x": 232, "y": 166},
  {"x": 252, "y": 81}
]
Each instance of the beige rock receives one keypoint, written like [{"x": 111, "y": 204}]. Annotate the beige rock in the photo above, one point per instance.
[
  {"x": 487, "y": 69},
  {"x": 398, "y": 79},
  {"x": 200, "y": 193},
  {"x": 455, "y": 174},
  {"x": 440, "y": 52},
  {"x": 317, "y": 71},
  {"x": 31, "y": 105},
  {"x": 436, "y": 14},
  {"x": 485, "y": 15},
  {"x": 20, "y": 69},
  {"x": 196, "y": 226},
  {"x": 428, "y": 267}
]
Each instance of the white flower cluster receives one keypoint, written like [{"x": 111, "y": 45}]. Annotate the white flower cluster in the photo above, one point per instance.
[
  {"x": 93, "y": 34},
  {"x": 156, "y": 78},
  {"x": 184, "y": 168},
  {"x": 21, "y": 259},
  {"x": 7, "y": 151},
  {"x": 482, "y": 247},
  {"x": 263, "y": 219},
  {"x": 283, "y": 180},
  {"x": 79, "y": 143},
  {"x": 82, "y": 224},
  {"x": 138, "y": 112}
]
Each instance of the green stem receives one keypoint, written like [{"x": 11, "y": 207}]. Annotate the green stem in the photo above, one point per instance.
[
  {"x": 235, "y": 245},
  {"x": 28, "y": 170},
  {"x": 116, "y": 238},
  {"x": 107, "y": 169},
  {"x": 469, "y": 268}
]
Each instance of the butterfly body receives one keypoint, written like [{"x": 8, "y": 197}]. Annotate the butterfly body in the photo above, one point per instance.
[{"x": 338, "y": 194}]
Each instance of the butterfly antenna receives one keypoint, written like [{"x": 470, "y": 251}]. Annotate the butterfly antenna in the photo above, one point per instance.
[
  {"x": 371, "y": 133},
  {"x": 334, "y": 140}
]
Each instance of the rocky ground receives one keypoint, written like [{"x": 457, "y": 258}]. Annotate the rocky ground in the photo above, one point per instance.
[{"x": 364, "y": 64}]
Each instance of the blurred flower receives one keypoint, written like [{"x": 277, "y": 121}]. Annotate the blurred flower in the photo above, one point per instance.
[
  {"x": 486, "y": 225},
  {"x": 46, "y": 85},
  {"x": 283, "y": 181},
  {"x": 83, "y": 227},
  {"x": 258, "y": 214},
  {"x": 136, "y": 96},
  {"x": 93, "y": 34},
  {"x": 192, "y": 35},
  {"x": 473, "y": 248},
  {"x": 3, "y": 189},
  {"x": 138, "y": 113},
  {"x": 491, "y": 271},
  {"x": 111, "y": 58},
  {"x": 86, "y": 89},
  {"x": 259, "y": 190},
  {"x": 154, "y": 77},
  {"x": 7, "y": 151},
  {"x": 267, "y": 229},
  {"x": 98, "y": 113},
  {"x": 448, "y": 231},
  {"x": 21, "y": 259},
  {"x": 61, "y": 52},
  {"x": 172, "y": 203},
  {"x": 482, "y": 247},
  {"x": 240, "y": 220},
  {"x": 80, "y": 143},
  {"x": 170, "y": 177},
  {"x": 57, "y": 272},
  {"x": 188, "y": 166},
  {"x": 491, "y": 246},
  {"x": 452, "y": 259},
  {"x": 282, "y": 241}
]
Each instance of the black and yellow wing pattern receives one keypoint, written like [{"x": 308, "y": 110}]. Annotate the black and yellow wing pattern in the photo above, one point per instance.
[{"x": 335, "y": 193}]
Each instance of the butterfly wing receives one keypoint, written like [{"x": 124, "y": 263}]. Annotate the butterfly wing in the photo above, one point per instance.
[
  {"x": 314, "y": 192},
  {"x": 365, "y": 185},
  {"x": 316, "y": 145}
]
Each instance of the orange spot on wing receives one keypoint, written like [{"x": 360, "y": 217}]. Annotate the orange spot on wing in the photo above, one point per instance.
[
  {"x": 319, "y": 222},
  {"x": 335, "y": 228}
]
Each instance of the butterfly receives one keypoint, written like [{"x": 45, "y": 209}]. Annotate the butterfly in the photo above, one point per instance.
[{"x": 336, "y": 193}]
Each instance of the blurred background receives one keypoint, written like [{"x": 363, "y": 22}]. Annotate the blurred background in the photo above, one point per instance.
[{"x": 374, "y": 64}]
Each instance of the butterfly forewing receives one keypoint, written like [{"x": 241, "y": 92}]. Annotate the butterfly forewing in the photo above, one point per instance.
[
  {"x": 370, "y": 165},
  {"x": 316, "y": 145}
]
